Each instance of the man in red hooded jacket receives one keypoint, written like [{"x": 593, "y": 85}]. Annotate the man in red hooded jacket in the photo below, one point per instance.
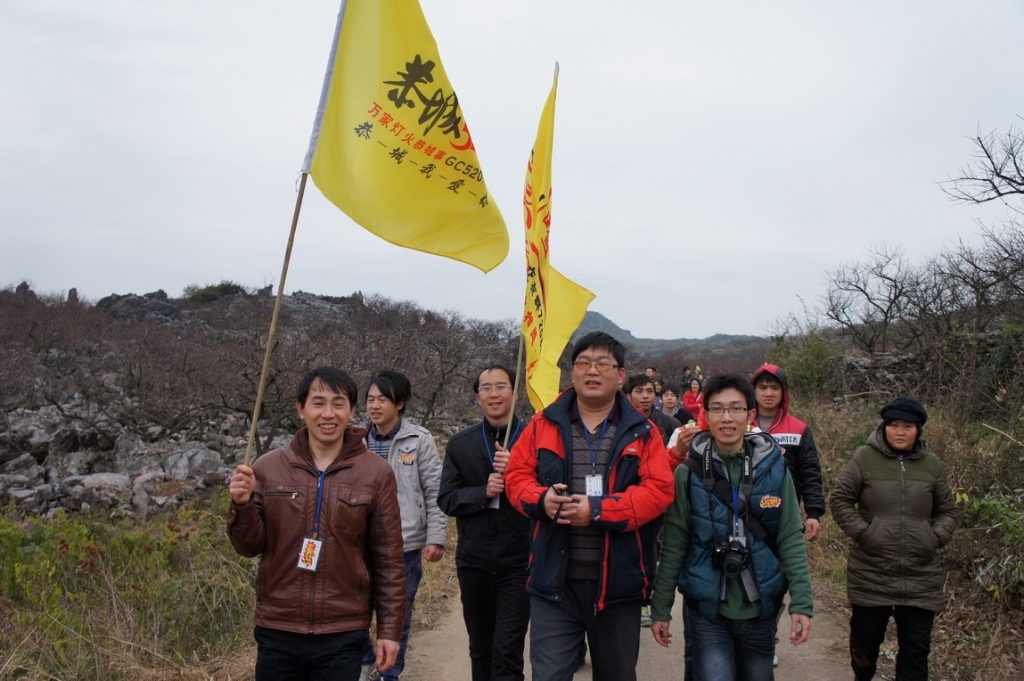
[{"x": 772, "y": 392}]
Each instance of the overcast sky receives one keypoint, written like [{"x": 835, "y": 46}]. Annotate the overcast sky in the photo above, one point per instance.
[{"x": 712, "y": 160}]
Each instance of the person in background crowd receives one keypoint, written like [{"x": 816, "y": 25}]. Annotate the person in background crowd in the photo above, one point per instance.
[
  {"x": 733, "y": 544},
  {"x": 640, "y": 391},
  {"x": 591, "y": 475},
  {"x": 323, "y": 571},
  {"x": 893, "y": 501},
  {"x": 692, "y": 398},
  {"x": 793, "y": 435},
  {"x": 670, "y": 404},
  {"x": 493, "y": 552},
  {"x": 412, "y": 454}
]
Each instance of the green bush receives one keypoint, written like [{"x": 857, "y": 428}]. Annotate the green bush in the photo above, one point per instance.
[
  {"x": 116, "y": 600},
  {"x": 810, "y": 361},
  {"x": 208, "y": 294}
]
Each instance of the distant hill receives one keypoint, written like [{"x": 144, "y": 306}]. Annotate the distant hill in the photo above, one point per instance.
[{"x": 655, "y": 347}]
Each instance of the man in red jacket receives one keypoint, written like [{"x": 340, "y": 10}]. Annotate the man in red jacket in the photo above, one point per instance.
[
  {"x": 772, "y": 392},
  {"x": 591, "y": 473},
  {"x": 322, "y": 513}
]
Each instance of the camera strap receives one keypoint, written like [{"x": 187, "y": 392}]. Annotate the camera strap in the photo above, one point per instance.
[{"x": 719, "y": 485}]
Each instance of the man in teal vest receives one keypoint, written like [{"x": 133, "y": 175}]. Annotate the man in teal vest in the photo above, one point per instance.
[{"x": 733, "y": 544}]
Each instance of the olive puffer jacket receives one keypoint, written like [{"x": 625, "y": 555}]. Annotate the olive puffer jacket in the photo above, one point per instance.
[{"x": 898, "y": 514}]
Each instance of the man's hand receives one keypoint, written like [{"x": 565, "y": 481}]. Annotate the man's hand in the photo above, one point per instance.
[
  {"x": 495, "y": 485},
  {"x": 661, "y": 633},
  {"x": 243, "y": 482},
  {"x": 801, "y": 629},
  {"x": 387, "y": 654},
  {"x": 433, "y": 553},
  {"x": 500, "y": 458},
  {"x": 580, "y": 514},
  {"x": 556, "y": 506},
  {"x": 683, "y": 439},
  {"x": 811, "y": 529}
]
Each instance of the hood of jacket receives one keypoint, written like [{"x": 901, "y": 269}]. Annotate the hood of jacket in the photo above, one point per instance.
[
  {"x": 780, "y": 376},
  {"x": 763, "y": 446},
  {"x": 351, "y": 444}
]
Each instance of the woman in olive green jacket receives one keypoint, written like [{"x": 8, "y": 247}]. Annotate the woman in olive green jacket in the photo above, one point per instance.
[{"x": 893, "y": 501}]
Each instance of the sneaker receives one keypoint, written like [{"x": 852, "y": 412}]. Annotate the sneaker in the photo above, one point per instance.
[
  {"x": 645, "y": 616},
  {"x": 775, "y": 661},
  {"x": 366, "y": 672}
]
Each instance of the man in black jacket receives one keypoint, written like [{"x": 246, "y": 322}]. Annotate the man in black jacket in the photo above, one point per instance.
[{"x": 493, "y": 552}]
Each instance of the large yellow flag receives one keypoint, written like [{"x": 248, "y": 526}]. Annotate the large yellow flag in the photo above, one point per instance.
[
  {"x": 554, "y": 305},
  {"x": 390, "y": 146}
]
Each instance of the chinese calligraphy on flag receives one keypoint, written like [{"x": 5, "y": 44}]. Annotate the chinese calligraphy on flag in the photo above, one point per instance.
[
  {"x": 554, "y": 305},
  {"x": 390, "y": 145}
]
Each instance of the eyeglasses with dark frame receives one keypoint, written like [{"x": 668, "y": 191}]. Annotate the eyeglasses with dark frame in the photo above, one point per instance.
[{"x": 720, "y": 411}]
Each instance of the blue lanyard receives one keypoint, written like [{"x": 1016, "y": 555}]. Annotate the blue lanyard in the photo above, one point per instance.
[
  {"x": 319, "y": 501},
  {"x": 600, "y": 440},
  {"x": 735, "y": 512},
  {"x": 487, "y": 440}
]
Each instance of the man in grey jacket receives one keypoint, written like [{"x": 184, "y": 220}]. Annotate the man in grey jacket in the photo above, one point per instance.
[{"x": 412, "y": 454}]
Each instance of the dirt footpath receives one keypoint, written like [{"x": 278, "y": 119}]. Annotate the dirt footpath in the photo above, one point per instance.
[{"x": 442, "y": 654}]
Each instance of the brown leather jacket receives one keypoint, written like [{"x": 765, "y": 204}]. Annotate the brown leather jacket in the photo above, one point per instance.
[{"x": 361, "y": 565}]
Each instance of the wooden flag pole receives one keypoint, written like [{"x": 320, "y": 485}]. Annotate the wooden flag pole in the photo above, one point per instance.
[
  {"x": 273, "y": 322},
  {"x": 515, "y": 390}
]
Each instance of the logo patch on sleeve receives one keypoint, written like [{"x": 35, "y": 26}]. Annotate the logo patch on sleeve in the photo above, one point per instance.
[{"x": 770, "y": 502}]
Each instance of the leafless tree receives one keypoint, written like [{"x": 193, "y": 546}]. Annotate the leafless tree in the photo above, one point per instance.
[
  {"x": 867, "y": 298},
  {"x": 995, "y": 172}
]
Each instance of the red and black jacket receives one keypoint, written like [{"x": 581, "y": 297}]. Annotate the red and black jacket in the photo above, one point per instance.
[
  {"x": 638, "y": 487},
  {"x": 797, "y": 444}
]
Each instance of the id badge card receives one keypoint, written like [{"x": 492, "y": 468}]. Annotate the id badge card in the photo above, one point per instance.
[
  {"x": 595, "y": 486},
  {"x": 495, "y": 501},
  {"x": 309, "y": 554}
]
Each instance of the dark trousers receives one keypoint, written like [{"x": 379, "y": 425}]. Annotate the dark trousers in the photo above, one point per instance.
[
  {"x": 413, "y": 577},
  {"x": 913, "y": 633},
  {"x": 496, "y": 609},
  {"x": 557, "y": 628},
  {"x": 286, "y": 656}
]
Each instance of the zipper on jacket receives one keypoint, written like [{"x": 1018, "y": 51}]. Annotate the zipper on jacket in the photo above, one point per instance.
[
  {"x": 316, "y": 534},
  {"x": 903, "y": 526}
]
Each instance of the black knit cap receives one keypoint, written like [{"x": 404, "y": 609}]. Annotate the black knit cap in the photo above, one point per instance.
[{"x": 905, "y": 409}]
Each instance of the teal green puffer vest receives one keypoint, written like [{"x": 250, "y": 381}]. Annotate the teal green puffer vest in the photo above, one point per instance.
[{"x": 699, "y": 580}]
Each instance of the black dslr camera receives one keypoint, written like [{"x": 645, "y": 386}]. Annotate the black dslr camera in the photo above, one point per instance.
[{"x": 731, "y": 557}]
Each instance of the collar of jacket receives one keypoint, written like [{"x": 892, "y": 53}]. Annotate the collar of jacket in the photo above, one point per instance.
[
  {"x": 560, "y": 411},
  {"x": 351, "y": 445},
  {"x": 877, "y": 440},
  {"x": 764, "y": 446}
]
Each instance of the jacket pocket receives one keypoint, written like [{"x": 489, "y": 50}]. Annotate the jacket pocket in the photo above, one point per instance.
[
  {"x": 352, "y": 510},
  {"x": 864, "y": 540}
]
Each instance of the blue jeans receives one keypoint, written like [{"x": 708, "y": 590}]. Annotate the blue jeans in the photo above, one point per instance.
[
  {"x": 687, "y": 644},
  {"x": 732, "y": 650},
  {"x": 413, "y": 576}
]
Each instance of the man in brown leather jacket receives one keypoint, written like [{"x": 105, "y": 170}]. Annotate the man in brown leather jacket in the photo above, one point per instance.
[{"x": 323, "y": 515}]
